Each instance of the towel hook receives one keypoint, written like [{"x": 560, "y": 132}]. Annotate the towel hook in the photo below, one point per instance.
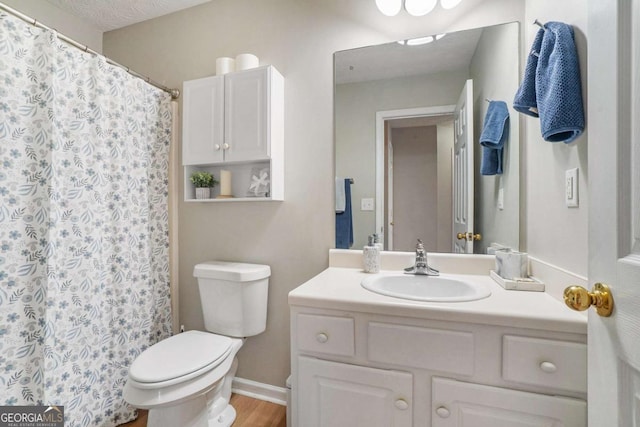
[{"x": 539, "y": 24}]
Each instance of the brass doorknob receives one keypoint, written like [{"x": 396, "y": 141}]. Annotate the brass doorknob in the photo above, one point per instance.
[
  {"x": 579, "y": 299},
  {"x": 469, "y": 236}
]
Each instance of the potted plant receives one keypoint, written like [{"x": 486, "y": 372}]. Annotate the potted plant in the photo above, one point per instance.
[{"x": 203, "y": 181}]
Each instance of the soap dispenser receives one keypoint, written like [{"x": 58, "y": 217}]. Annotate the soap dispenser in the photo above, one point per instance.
[
  {"x": 371, "y": 256},
  {"x": 377, "y": 243}
]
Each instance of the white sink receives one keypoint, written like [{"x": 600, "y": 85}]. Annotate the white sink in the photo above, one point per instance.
[{"x": 443, "y": 288}]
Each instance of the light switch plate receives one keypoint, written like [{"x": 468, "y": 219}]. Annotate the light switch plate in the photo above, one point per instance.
[
  {"x": 571, "y": 188},
  {"x": 366, "y": 204}
]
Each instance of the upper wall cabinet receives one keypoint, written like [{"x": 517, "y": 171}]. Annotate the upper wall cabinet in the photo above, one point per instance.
[{"x": 233, "y": 122}]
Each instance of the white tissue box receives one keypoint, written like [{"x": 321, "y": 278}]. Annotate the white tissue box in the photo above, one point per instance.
[{"x": 511, "y": 265}]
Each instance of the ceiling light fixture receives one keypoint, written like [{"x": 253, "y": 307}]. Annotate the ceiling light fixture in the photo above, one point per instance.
[
  {"x": 413, "y": 7},
  {"x": 419, "y": 7},
  {"x": 389, "y": 7},
  {"x": 419, "y": 41}
]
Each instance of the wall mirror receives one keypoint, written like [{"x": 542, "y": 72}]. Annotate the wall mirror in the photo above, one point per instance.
[{"x": 402, "y": 110}]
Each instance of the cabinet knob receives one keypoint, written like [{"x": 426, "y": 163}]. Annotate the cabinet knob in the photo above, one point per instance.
[
  {"x": 217, "y": 147},
  {"x": 402, "y": 404},
  {"x": 443, "y": 412},
  {"x": 322, "y": 337},
  {"x": 548, "y": 367},
  {"x": 225, "y": 146}
]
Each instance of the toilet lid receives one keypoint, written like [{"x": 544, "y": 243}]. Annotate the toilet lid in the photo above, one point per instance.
[{"x": 179, "y": 356}]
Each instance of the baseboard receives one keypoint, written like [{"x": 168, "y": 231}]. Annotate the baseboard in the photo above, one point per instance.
[{"x": 261, "y": 391}]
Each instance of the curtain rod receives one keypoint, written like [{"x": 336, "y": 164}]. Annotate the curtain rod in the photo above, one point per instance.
[{"x": 175, "y": 93}]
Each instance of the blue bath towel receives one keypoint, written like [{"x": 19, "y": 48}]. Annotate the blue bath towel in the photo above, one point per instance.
[
  {"x": 495, "y": 133},
  {"x": 525, "y": 100},
  {"x": 558, "y": 85},
  {"x": 344, "y": 221}
]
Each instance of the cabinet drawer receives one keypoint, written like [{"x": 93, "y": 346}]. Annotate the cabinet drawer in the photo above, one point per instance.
[
  {"x": 433, "y": 349},
  {"x": 326, "y": 334},
  {"x": 555, "y": 364}
]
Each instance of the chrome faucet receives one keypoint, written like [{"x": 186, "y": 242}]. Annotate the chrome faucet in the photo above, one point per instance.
[{"x": 421, "y": 267}]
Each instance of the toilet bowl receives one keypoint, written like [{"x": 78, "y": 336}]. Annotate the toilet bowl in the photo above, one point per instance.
[{"x": 185, "y": 380}]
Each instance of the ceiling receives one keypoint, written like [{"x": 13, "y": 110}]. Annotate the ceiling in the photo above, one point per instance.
[
  {"x": 393, "y": 60},
  {"x": 114, "y": 14}
]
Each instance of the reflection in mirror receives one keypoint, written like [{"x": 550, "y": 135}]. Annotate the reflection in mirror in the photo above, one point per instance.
[{"x": 405, "y": 117}]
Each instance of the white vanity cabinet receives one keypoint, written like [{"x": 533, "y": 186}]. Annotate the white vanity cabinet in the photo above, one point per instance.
[
  {"x": 235, "y": 122},
  {"x": 355, "y": 368}
]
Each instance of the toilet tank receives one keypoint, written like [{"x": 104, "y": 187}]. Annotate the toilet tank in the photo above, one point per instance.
[{"x": 233, "y": 297}]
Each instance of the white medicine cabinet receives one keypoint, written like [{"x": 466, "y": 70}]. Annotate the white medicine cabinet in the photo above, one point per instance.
[{"x": 235, "y": 122}]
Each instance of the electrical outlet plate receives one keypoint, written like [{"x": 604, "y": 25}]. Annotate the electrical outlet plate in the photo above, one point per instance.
[
  {"x": 571, "y": 188},
  {"x": 366, "y": 204}
]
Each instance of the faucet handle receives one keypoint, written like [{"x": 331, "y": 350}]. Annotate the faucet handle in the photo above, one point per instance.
[{"x": 419, "y": 245}]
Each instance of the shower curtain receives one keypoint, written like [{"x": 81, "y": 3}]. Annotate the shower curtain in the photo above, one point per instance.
[{"x": 84, "y": 271}]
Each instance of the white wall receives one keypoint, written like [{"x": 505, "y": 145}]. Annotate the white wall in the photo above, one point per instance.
[
  {"x": 555, "y": 233},
  {"x": 495, "y": 74},
  {"x": 356, "y": 105},
  {"x": 299, "y": 37},
  {"x": 62, "y": 21}
]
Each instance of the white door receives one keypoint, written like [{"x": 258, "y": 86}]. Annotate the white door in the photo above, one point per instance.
[
  {"x": 341, "y": 395},
  {"x": 614, "y": 209},
  {"x": 247, "y": 115},
  {"x": 463, "y": 171}
]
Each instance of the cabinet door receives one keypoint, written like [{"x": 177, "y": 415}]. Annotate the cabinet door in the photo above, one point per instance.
[
  {"x": 203, "y": 121},
  {"x": 334, "y": 394},
  {"x": 247, "y": 115},
  {"x": 459, "y": 404}
]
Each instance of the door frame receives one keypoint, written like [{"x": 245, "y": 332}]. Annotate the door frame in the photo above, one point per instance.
[{"x": 381, "y": 118}]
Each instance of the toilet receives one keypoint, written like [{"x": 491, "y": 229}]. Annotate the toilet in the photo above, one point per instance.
[{"x": 185, "y": 380}]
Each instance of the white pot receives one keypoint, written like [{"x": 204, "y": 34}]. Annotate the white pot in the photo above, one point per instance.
[{"x": 203, "y": 193}]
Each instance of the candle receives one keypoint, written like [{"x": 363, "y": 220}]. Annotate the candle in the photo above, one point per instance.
[{"x": 225, "y": 183}]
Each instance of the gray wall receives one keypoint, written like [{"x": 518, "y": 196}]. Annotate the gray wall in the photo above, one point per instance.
[
  {"x": 496, "y": 77},
  {"x": 415, "y": 187},
  {"x": 555, "y": 233},
  {"x": 54, "y": 17},
  {"x": 299, "y": 38}
]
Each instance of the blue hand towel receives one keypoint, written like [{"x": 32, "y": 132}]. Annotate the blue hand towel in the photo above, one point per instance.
[
  {"x": 495, "y": 132},
  {"x": 344, "y": 222},
  {"x": 525, "y": 100},
  {"x": 558, "y": 85}
]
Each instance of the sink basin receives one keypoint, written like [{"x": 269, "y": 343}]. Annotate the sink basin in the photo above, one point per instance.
[{"x": 441, "y": 288}]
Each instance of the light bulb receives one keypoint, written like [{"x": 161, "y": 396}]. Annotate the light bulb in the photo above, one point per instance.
[
  {"x": 449, "y": 4},
  {"x": 389, "y": 7},
  {"x": 419, "y": 41},
  {"x": 419, "y": 7}
]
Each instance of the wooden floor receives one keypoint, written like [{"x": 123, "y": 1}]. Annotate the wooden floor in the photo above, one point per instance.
[{"x": 250, "y": 413}]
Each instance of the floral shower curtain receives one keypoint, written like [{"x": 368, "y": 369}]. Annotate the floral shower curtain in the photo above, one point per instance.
[{"x": 84, "y": 273}]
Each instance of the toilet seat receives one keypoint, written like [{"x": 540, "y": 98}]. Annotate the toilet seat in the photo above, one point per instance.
[{"x": 179, "y": 358}]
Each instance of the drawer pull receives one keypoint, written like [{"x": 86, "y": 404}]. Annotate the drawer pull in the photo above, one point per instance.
[
  {"x": 402, "y": 404},
  {"x": 225, "y": 146},
  {"x": 548, "y": 367},
  {"x": 443, "y": 412},
  {"x": 322, "y": 337}
]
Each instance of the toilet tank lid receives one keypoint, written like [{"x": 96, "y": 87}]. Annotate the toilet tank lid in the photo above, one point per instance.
[{"x": 232, "y": 271}]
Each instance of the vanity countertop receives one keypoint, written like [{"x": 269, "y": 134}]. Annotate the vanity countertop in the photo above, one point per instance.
[{"x": 339, "y": 288}]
